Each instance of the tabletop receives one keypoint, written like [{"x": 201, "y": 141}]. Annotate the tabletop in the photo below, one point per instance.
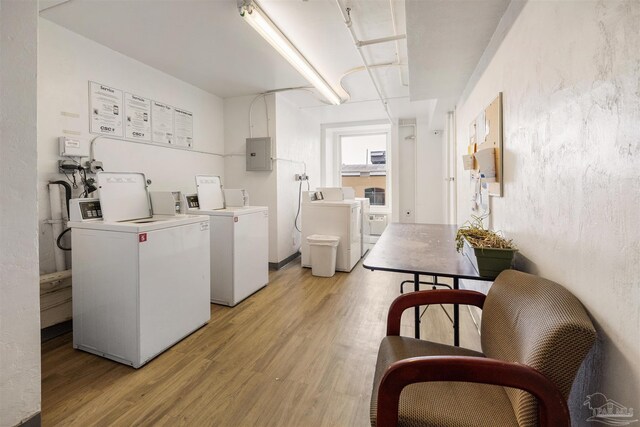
[{"x": 428, "y": 249}]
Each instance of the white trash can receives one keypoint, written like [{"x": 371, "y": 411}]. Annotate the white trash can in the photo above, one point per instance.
[{"x": 323, "y": 250}]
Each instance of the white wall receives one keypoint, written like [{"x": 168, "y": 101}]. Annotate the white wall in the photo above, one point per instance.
[
  {"x": 407, "y": 173},
  {"x": 569, "y": 73},
  {"x": 67, "y": 62},
  {"x": 260, "y": 185},
  {"x": 297, "y": 150},
  {"x": 19, "y": 287},
  {"x": 349, "y": 112},
  {"x": 421, "y": 174},
  {"x": 295, "y": 137},
  {"x": 430, "y": 174}
]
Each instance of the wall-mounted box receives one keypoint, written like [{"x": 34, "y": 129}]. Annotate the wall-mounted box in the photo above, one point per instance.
[
  {"x": 259, "y": 154},
  {"x": 73, "y": 147}
]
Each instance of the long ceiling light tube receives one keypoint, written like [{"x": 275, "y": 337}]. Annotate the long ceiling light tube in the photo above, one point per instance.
[
  {"x": 348, "y": 23},
  {"x": 260, "y": 21}
]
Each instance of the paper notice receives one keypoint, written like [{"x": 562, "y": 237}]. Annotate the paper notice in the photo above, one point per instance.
[
  {"x": 106, "y": 109},
  {"x": 138, "y": 114},
  {"x": 183, "y": 128},
  {"x": 162, "y": 122}
]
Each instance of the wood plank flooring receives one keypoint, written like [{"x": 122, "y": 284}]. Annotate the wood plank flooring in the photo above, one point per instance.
[{"x": 300, "y": 352}]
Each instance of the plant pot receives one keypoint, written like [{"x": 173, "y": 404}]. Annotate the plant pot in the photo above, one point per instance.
[{"x": 489, "y": 262}]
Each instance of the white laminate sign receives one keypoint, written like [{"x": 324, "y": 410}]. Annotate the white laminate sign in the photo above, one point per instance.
[
  {"x": 183, "y": 128},
  {"x": 162, "y": 122},
  {"x": 138, "y": 114},
  {"x": 106, "y": 110}
]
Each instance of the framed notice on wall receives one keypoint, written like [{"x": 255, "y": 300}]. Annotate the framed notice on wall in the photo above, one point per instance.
[
  {"x": 105, "y": 115},
  {"x": 138, "y": 117},
  {"x": 162, "y": 123},
  {"x": 183, "y": 128}
]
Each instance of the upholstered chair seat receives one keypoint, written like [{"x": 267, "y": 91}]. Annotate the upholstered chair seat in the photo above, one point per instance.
[{"x": 534, "y": 335}]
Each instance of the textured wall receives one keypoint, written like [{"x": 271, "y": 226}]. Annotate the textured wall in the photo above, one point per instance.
[
  {"x": 570, "y": 74},
  {"x": 19, "y": 288}
]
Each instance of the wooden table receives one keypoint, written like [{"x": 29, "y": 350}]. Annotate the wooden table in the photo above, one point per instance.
[{"x": 423, "y": 249}]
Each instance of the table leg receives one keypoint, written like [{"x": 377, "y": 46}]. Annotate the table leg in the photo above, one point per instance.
[
  {"x": 416, "y": 310},
  {"x": 456, "y": 318}
]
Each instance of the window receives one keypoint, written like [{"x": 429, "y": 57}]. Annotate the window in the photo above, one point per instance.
[
  {"x": 364, "y": 166},
  {"x": 375, "y": 196},
  {"x": 378, "y": 157}
]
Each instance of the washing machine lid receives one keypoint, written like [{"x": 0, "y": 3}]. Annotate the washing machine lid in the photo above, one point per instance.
[
  {"x": 123, "y": 196},
  {"x": 230, "y": 211},
  {"x": 334, "y": 203},
  {"x": 210, "y": 194},
  {"x": 156, "y": 222}
]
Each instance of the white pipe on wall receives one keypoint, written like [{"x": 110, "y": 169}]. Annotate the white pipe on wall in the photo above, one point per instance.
[
  {"x": 55, "y": 277},
  {"x": 56, "y": 224}
]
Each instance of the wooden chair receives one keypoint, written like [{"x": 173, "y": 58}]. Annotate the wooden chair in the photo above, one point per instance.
[{"x": 534, "y": 335}]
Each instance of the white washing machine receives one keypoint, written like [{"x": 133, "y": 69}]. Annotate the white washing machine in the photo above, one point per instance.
[
  {"x": 365, "y": 207},
  {"x": 141, "y": 285},
  {"x": 239, "y": 244},
  {"x": 334, "y": 218}
]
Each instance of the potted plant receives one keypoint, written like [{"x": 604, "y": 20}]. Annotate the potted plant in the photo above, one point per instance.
[{"x": 488, "y": 251}]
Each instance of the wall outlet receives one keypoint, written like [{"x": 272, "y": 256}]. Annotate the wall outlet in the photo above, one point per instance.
[
  {"x": 95, "y": 166},
  {"x": 302, "y": 177}
]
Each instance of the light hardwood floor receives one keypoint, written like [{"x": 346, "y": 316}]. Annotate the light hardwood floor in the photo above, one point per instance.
[{"x": 300, "y": 352}]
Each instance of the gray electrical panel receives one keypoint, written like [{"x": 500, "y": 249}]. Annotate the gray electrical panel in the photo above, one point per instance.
[{"x": 259, "y": 154}]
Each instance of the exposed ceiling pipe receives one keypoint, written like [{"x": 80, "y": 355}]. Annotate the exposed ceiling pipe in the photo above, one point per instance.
[
  {"x": 395, "y": 31},
  {"x": 362, "y": 68},
  {"x": 347, "y": 20},
  {"x": 392, "y": 38}
]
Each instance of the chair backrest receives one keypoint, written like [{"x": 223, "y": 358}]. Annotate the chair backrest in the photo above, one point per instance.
[{"x": 536, "y": 322}]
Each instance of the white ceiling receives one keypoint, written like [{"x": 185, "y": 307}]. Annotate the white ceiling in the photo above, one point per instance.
[
  {"x": 446, "y": 40},
  {"x": 207, "y": 43}
]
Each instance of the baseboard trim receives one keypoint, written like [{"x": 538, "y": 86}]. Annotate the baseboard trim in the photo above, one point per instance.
[
  {"x": 287, "y": 260},
  {"x": 53, "y": 331},
  {"x": 34, "y": 421}
]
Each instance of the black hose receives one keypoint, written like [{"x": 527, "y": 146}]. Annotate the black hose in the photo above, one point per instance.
[
  {"x": 58, "y": 240},
  {"x": 67, "y": 191}
]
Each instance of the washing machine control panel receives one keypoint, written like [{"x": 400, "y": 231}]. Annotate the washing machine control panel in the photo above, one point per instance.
[
  {"x": 85, "y": 209},
  {"x": 192, "y": 201}
]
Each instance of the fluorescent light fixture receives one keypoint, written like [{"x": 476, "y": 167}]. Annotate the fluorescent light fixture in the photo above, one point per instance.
[{"x": 260, "y": 22}]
